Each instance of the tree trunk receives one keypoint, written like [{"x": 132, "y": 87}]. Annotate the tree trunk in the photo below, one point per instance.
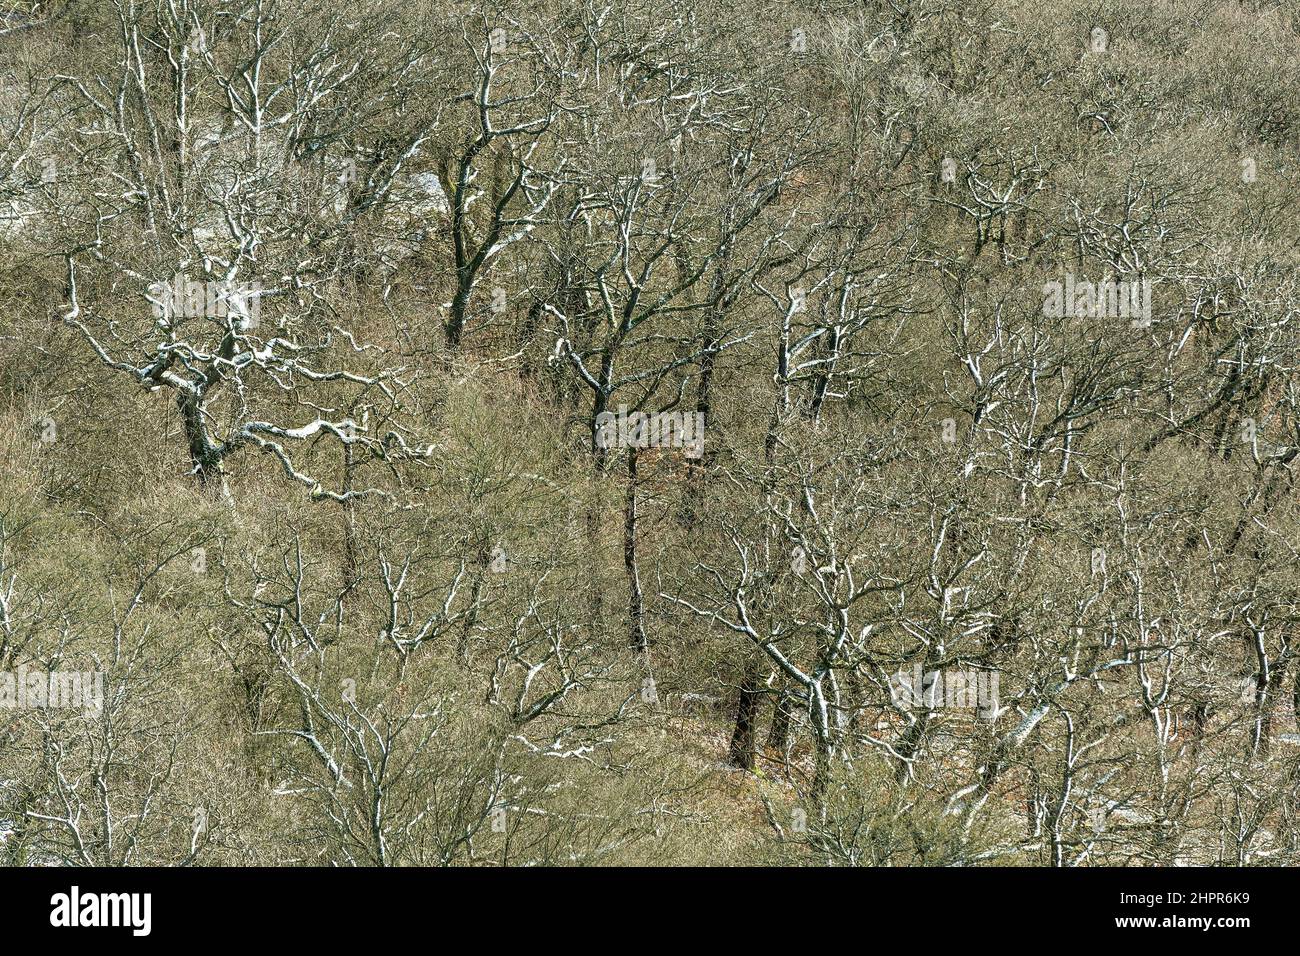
[
  {"x": 599, "y": 461},
  {"x": 351, "y": 553},
  {"x": 207, "y": 466},
  {"x": 635, "y": 599},
  {"x": 742, "y": 753},
  {"x": 697, "y": 468},
  {"x": 778, "y": 734},
  {"x": 483, "y": 556}
]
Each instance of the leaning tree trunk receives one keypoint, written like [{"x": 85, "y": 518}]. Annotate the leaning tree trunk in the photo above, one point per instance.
[{"x": 206, "y": 463}]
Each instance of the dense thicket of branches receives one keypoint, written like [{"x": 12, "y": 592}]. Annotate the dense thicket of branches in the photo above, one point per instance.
[{"x": 315, "y": 318}]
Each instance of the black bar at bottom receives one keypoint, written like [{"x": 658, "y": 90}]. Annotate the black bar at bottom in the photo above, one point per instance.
[{"x": 606, "y": 906}]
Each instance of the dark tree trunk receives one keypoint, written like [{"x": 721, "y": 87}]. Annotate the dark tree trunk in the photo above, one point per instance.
[
  {"x": 599, "y": 462},
  {"x": 778, "y": 734},
  {"x": 742, "y": 753},
  {"x": 698, "y": 467},
  {"x": 454, "y": 327},
  {"x": 483, "y": 556},
  {"x": 207, "y": 466},
  {"x": 635, "y": 599},
  {"x": 351, "y": 554}
]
